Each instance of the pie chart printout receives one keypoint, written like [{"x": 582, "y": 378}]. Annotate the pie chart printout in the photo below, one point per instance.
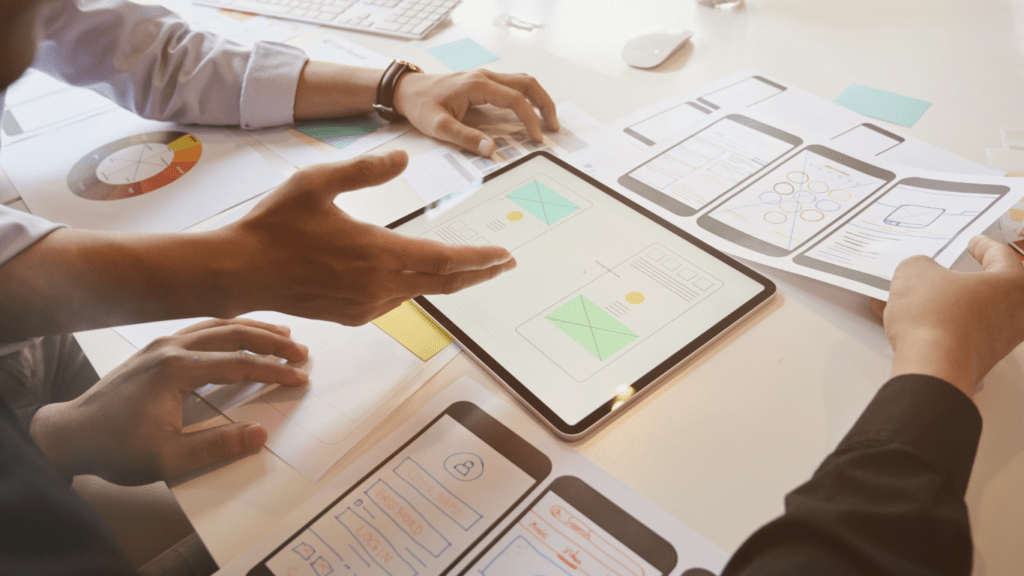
[{"x": 134, "y": 165}]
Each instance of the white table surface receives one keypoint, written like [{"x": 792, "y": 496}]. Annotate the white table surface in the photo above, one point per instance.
[{"x": 722, "y": 444}]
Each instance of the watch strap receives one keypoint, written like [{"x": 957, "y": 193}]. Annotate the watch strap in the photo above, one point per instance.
[{"x": 385, "y": 103}]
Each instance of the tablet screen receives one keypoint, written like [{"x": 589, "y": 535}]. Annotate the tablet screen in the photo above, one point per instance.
[{"x": 605, "y": 297}]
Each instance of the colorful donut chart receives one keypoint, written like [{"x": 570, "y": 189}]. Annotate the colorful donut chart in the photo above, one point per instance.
[{"x": 134, "y": 165}]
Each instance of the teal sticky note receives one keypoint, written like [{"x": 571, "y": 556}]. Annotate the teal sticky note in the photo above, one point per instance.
[
  {"x": 462, "y": 55},
  {"x": 902, "y": 110}
]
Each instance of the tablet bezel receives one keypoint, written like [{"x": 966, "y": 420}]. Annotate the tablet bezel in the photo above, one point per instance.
[{"x": 644, "y": 382}]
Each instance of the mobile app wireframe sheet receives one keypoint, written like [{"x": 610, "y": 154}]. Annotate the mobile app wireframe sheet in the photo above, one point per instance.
[
  {"x": 914, "y": 216},
  {"x": 572, "y": 529},
  {"x": 423, "y": 508},
  {"x": 780, "y": 211},
  {"x": 708, "y": 164}
]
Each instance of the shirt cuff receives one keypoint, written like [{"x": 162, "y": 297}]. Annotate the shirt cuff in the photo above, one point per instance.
[
  {"x": 18, "y": 231},
  {"x": 268, "y": 90},
  {"x": 929, "y": 417}
]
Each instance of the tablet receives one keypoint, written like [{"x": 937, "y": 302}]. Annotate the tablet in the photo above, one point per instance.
[{"x": 607, "y": 297}]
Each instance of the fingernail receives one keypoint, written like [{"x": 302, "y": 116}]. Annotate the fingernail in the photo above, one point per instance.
[
  {"x": 255, "y": 436},
  {"x": 299, "y": 377},
  {"x": 395, "y": 154},
  {"x": 284, "y": 330},
  {"x": 304, "y": 350},
  {"x": 504, "y": 258},
  {"x": 486, "y": 147}
]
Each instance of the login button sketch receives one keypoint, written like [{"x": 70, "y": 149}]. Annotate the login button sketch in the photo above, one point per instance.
[
  {"x": 591, "y": 327},
  {"x": 541, "y": 201}
]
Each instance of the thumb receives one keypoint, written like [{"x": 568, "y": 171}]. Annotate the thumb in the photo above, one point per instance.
[
  {"x": 878, "y": 307},
  {"x": 994, "y": 256},
  {"x": 198, "y": 449},
  {"x": 456, "y": 132},
  {"x": 328, "y": 180}
]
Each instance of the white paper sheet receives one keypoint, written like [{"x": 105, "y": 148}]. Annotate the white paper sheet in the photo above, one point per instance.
[
  {"x": 241, "y": 27},
  {"x": 437, "y": 478},
  {"x": 332, "y": 140},
  {"x": 1004, "y": 159},
  {"x": 447, "y": 168},
  {"x": 1013, "y": 138},
  {"x": 357, "y": 376},
  {"x": 38, "y": 102},
  {"x": 792, "y": 106},
  {"x": 117, "y": 154},
  {"x": 727, "y": 176}
]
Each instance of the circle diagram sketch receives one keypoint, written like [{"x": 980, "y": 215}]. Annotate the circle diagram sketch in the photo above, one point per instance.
[{"x": 134, "y": 165}]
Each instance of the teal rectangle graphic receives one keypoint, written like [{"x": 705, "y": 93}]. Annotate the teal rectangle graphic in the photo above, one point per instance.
[
  {"x": 338, "y": 133},
  {"x": 902, "y": 110},
  {"x": 462, "y": 55},
  {"x": 543, "y": 202}
]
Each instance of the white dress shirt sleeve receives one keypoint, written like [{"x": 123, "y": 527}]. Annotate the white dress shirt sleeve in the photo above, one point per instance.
[{"x": 147, "y": 60}]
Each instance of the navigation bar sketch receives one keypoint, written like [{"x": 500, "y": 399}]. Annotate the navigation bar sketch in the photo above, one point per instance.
[
  {"x": 513, "y": 218},
  {"x": 615, "y": 312}
]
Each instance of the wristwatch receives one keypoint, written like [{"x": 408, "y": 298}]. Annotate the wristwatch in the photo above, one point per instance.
[{"x": 385, "y": 104}]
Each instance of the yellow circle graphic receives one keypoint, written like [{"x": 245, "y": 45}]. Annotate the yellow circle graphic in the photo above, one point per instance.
[
  {"x": 635, "y": 298},
  {"x": 515, "y": 216}
]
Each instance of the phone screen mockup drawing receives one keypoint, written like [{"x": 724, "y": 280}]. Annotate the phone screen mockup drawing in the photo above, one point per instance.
[
  {"x": 707, "y": 165},
  {"x": 663, "y": 125},
  {"x": 573, "y": 529},
  {"x": 794, "y": 202},
  {"x": 746, "y": 92},
  {"x": 422, "y": 509},
  {"x": 914, "y": 216},
  {"x": 866, "y": 140}
]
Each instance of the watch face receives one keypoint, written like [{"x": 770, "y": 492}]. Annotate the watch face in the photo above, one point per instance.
[{"x": 134, "y": 166}]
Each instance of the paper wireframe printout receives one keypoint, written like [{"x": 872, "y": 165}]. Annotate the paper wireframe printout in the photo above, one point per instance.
[
  {"x": 471, "y": 485},
  {"x": 826, "y": 195},
  {"x": 357, "y": 376}
]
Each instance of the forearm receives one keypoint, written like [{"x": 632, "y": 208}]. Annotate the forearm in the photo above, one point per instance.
[
  {"x": 334, "y": 91},
  {"x": 889, "y": 500},
  {"x": 74, "y": 280}
]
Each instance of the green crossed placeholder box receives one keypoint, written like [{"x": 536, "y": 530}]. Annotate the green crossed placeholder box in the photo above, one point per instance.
[
  {"x": 543, "y": 202},
  {"x": 591, "y": 327}
]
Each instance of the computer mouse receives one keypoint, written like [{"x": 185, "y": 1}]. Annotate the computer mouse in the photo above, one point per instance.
[{"x": 650, "y": 49}]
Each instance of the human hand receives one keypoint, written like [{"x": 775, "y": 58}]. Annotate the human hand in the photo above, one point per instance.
[
  {"x": 127, "y": 427},
  {"x": 436, "y": 104},
  {"x": 955, "y": 325},
  {"x": 297, "y": 253}
]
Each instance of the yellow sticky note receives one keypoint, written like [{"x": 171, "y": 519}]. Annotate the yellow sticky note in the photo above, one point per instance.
[{"x": 414, "y": 329}]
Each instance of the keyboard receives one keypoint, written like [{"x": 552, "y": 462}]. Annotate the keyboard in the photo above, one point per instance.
[{"x": 411, "y": 19}]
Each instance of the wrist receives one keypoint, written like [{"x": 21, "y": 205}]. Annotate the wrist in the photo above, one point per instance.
[
  {"x": 228, "y": 284},
  {"x": 52, "y": 429},
  {"x": 402, "y": 89},
  {"x": 938, "y": 356}
]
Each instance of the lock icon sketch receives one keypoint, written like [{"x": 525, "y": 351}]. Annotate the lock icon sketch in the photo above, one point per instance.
[{"x": 464, "y": 466}]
